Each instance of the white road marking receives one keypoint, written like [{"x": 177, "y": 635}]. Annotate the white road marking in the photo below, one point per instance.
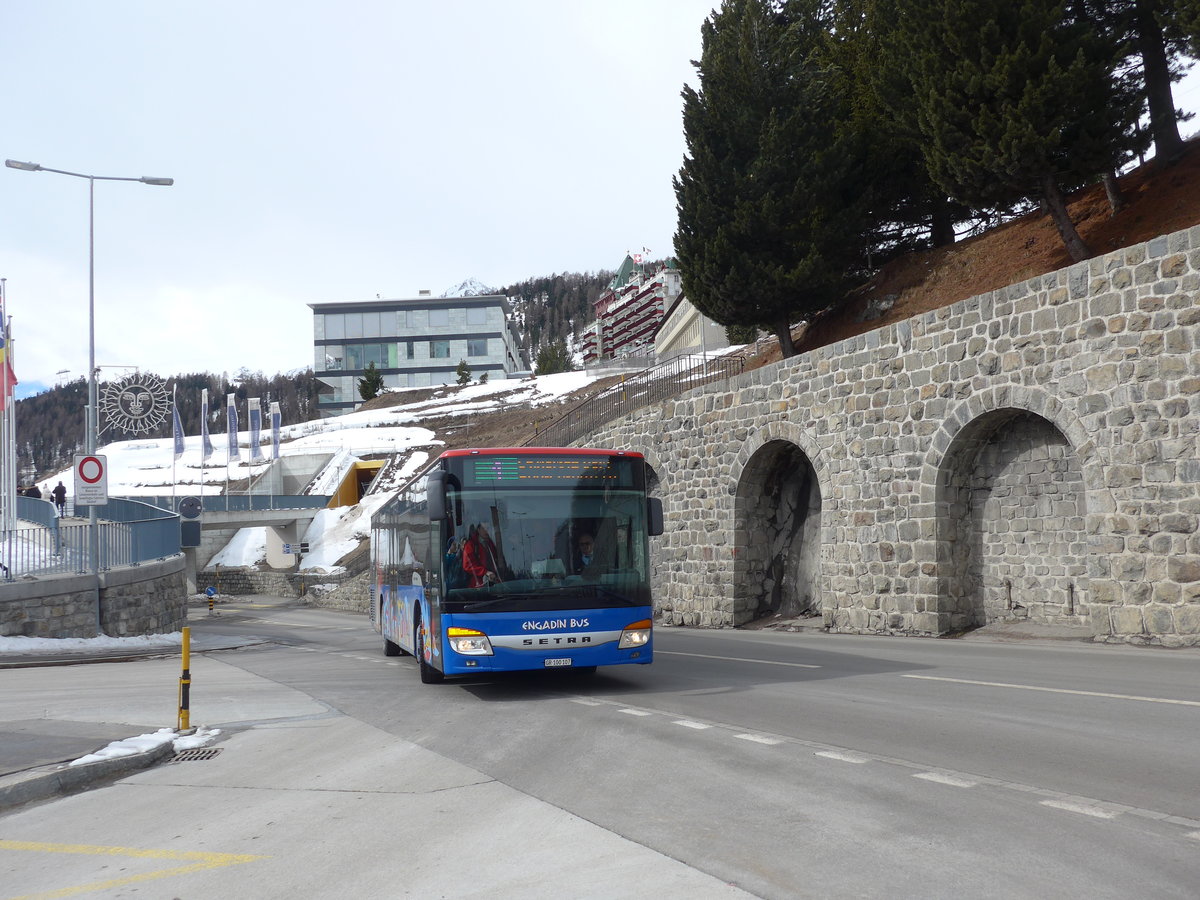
[
  {"x": 635, "y": 712},
  {"x": 842, "y": 757},
  {"x": 765, "y": 662},
  {"x": 1194, "y": 835},
  {"x": 1049, "y": 690},
  {"x": 1082, "y": 809},
  {"x": 943, "y": 778},
  {"x": 759, "y": 739},
  {"x": 583, "y": 702},
  {"x": 688, "y": 723}
]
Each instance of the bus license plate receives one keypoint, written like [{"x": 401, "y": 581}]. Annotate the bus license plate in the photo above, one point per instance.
[{"x": 560, "y": 661}]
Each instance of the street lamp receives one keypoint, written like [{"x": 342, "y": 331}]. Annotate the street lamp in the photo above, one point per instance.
[{"x": 91, "y": 435}]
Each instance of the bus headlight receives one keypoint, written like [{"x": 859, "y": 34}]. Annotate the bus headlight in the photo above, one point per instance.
[
  {"x": 636, "y": 635},
  {"x": 468, "y": 641}
]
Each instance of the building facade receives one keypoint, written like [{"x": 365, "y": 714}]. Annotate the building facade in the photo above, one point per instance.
[
  {"x": 629, "y": 312},
  {"x": 684, "y": 329},
  {"x": 413, "y": 343}
]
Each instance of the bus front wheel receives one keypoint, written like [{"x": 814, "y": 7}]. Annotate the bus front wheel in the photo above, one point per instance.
[{"x": 429, "y": 675}]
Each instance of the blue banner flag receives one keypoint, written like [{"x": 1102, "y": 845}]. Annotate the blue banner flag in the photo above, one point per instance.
[
  {"x": 206, "y": 447},
  {"x": 232, "y": 426},
  {"x": 275, "y": 418},
  {"x": 255, "y": 427}
]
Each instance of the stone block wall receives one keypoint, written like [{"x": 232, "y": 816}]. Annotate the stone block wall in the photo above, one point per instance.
[
  {"x": 146, "y": 599},
  {"x": 1027, "y": 452}
]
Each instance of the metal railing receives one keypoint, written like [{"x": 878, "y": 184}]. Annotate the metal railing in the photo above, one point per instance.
[
  {"x": 130, "y": 533},
  {"x": 243, "y": 502},
  {"x": 668, "y": 379}
]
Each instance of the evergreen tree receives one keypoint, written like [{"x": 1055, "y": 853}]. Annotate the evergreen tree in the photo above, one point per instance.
[
  {"x": 463, "y": 372},
  {"x": 1152, "y": 36},
  {"x": 770, "y": 196},
  {"x": 906, "y": 201},
  {"x": 553, "y": 357},
  {"x": 1016, "y": 98},
  {"x": 370, "y": 385}
]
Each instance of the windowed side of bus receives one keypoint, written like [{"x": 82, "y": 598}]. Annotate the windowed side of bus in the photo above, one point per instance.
[{"x": 406, "y": 580}]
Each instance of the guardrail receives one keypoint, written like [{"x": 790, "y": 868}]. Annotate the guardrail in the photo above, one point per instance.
[
  {"x": 242, "y": 502},
  {"x": 130, "y": 533},
  {"x": 652, "y": 385}
]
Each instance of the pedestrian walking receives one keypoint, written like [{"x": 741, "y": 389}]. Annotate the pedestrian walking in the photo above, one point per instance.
[{"x": 60, "y": 498}]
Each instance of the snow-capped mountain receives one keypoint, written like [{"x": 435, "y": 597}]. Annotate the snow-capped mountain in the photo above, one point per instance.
[{"x": 472, "y": 287}]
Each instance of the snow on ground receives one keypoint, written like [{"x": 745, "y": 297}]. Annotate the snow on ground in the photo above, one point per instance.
[
  {"x": 147, "y": 467},
  {"x": 145, "y": 742}
]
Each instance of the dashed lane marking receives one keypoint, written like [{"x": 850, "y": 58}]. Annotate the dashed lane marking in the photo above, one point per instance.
[
  {"x": 1083, "y": 805},
  {"x": 1050, "y": 690},
  {"x": 765, "y": 662},
  {"x": 1083, "y": 809},
  {"x": 199, "y": 862},
  {"x": 944, "y": 778},
  {"x": 843, "y": 757},
  {"x": 759, "y": 739}
]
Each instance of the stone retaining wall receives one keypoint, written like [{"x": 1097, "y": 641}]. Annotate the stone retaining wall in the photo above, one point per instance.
[
  {"x": 1026, "y": 453},
  {"x": 145, "y": 599}
]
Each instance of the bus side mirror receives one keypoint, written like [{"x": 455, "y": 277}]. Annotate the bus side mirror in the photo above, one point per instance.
[
  {"x": 654, "y": 516},
  {"x": 435, "y": 494}
]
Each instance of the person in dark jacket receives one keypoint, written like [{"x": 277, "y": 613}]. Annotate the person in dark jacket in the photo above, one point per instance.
[
  {"x": 34, "y": 492},
  {"x": 60, "y": 498}
]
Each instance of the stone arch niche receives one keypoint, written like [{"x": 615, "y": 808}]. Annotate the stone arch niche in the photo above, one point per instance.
[
  {"x": 777, "y": 568},
  {"x": 1011, "y": 521}
]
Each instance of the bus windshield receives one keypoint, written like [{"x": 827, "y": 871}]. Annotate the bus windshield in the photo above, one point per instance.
[{"x": 543, "y": 549}]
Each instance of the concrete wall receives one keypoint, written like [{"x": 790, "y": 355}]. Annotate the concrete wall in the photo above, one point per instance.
[
  {"x": 146, "y": 599},
  {"x": 1026, "y": 453}
]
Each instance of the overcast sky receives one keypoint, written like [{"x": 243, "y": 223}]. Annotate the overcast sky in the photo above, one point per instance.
[{"x": 321, "y": 151}]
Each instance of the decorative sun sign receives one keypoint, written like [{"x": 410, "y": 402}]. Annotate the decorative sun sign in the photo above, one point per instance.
[{"x": 136, "y": 403}]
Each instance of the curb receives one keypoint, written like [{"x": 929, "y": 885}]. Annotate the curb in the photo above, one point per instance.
[{"x": 51, "y": 781}]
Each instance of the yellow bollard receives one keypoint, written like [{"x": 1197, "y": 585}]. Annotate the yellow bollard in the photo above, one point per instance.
[{"x": 185, "y": 681}]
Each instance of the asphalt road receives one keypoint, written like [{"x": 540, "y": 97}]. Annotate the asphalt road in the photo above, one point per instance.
[{"x": 784, "y": 765}]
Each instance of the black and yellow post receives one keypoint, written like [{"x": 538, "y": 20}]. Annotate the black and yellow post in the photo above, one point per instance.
[{"x": 185, "y": 681}]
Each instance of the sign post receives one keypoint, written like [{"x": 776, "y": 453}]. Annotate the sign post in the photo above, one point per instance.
[{"x": 91, "y": 480}]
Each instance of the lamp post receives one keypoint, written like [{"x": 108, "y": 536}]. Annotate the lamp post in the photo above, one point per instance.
[{"x": 91, "y": 435}]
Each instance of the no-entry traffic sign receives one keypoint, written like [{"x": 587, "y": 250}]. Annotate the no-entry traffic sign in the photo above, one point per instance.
[{"x": 91, "y": 480}]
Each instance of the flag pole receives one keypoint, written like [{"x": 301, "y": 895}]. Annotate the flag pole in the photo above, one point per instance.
[{"x": 174, "y": 444}]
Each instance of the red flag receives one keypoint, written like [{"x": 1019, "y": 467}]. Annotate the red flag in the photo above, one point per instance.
[{"x": 8, "y": 378}]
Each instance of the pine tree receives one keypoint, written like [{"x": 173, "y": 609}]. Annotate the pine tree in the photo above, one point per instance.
[
  {"x": 553, "y": 357},
  {"x": 370, "y": 385},
  {"x": 463, "y": 372},
  {"x": 770, "y": 195},
  {"x": 1016, "y": 98}
]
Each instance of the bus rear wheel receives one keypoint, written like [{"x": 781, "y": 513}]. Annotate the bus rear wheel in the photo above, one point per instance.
[{"x": 429, "y": 675}]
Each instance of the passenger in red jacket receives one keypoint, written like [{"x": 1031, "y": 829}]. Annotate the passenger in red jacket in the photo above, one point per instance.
[{"x": 480, "y": 560}]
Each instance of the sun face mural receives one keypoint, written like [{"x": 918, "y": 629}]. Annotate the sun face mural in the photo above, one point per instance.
[{"x": 136, "y": 403}]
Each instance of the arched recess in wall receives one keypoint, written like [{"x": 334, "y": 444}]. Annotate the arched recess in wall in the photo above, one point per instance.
[
  {"x": 777, "y": 527},
  {"x": 1011, "y": 515}
]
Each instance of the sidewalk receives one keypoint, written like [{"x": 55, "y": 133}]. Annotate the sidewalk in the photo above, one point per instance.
[{"x": 291, "y": 784}]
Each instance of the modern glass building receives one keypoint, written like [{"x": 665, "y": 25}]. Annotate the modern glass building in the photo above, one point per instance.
[{"x": 414, "y": 343}]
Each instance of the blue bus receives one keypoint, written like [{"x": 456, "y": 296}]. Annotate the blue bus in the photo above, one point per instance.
[{"x": 503, "y": 560}]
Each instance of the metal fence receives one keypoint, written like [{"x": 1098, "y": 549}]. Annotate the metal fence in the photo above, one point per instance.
[
  {"x": 129, "y": 533},
  {"x": 243, "y": 502},
  {"x": 668, "y": 379}
]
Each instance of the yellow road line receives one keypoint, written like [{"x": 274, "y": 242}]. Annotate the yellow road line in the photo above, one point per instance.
[{"x": 200, "y": 862}]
